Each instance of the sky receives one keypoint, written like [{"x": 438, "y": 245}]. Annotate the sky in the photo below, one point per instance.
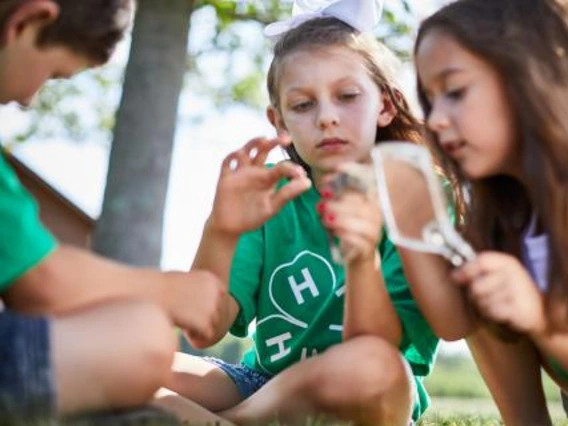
[{"x": 79, "y": 170}]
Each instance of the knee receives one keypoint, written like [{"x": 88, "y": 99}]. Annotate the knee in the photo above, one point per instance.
[
  {"x": 378, "y": 368},
  {"x": 366, "y": 369},
  {"x": 152, "y": 342}
]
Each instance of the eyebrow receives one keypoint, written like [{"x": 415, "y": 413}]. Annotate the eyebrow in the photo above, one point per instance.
[
  {"x": 447, "y": 72},
  {"x": 342, "y": 80},
  {"x": 295, "y": 89}
]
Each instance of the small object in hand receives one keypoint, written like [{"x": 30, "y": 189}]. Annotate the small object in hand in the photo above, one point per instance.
[{"x": 353, "y": 177}]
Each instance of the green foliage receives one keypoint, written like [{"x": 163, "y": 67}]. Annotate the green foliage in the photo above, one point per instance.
[
  {"x": 248, "y": 88},
  {"x": 75, "y": 110}
]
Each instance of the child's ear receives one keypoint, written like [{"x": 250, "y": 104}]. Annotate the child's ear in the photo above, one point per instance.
[
  {"x": 276, "y": 120},
  {"x": 388, "y": 112},
  {"x": 33, "y": 14}
]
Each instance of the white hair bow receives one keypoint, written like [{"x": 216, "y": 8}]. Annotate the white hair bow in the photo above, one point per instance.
[{"x": 363, "y": 15}]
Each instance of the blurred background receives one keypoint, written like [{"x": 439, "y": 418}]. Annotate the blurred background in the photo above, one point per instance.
[{"x": 137, "y": 145}]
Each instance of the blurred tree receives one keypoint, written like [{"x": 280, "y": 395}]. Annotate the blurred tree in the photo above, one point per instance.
[
  {"x": 131, "y": 223},
  {"x": 130, "y": 226}
]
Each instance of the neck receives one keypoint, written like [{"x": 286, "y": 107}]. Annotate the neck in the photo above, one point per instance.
[{"x": 317, "y": 177}]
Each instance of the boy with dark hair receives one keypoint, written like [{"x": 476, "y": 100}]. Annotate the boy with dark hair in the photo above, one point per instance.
[{"x": 80, "y": 333}]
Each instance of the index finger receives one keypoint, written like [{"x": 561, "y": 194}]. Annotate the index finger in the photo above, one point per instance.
[
  {"x": 243, "y": 154},
  {"x": 285, "y": 169},
  {"x": 263, "y": 148}
]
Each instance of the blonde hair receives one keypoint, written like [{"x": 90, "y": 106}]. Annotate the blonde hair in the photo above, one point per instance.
[{"x": 379, "y": 61}]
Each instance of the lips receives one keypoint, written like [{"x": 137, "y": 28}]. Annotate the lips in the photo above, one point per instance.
[
  {"x": 331, "y": 143},
  {"x": 452, "y": 148}
]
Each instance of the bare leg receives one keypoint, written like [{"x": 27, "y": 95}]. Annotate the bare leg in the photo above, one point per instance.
[
  {"x": 203, "y": 382},
  {"x": 512, "y": 374},
  {"x": 110, "y": 356},
  {"x": 363, "y": 380}
]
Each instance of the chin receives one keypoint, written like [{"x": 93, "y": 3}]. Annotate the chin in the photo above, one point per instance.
[
  {"x": 329, "y": 166},
  {"x": 477, "y": 173}
]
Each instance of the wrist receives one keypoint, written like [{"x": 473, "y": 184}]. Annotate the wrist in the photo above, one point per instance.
[
  {"x": 366, "y": 260},
  {"x": 540, "y": 327},
  {"x": 167, "y": 293},
  {"x": 219, "y": 233}
]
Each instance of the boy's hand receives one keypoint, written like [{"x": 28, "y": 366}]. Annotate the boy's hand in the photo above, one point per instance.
[
  {"x": 355, "y": 217},
  {"x": 200, "y": 305},
  {"x": 246, "y": 194},
  {"x": 503, "y": 291}
]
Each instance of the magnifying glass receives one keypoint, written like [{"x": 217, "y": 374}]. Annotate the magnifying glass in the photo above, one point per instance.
[
  {"x": 416, "y": 208},
  {"x": 415, "y": 203}
]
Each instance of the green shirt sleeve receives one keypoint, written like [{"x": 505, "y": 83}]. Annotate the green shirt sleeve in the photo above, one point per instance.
[
  {"x": 24, "y": 241},
  {"x": 245, "y": 279},
  {"x": 419, "y": 344}
]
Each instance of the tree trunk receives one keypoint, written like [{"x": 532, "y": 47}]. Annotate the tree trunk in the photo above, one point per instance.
[{"x": 131, "y": 224}]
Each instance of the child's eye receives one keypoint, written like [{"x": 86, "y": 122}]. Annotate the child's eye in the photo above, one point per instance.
[
  {"x": 302, "y": 106},
  {"x": 456, "y": 94},
  {"x": 349, "y": 96}
]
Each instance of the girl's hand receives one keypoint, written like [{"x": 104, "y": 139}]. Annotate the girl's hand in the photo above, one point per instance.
[
  {"x": 355, "y": 218},
  {"x": 246, "y": 194},
  {"x": 503, "y": 291}
]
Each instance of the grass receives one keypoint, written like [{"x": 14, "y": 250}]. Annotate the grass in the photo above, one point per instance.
[
  {"x": 457, "y": 377},
  {"x": 459, "y": 395},
  {"x": 476, "y": 412},
  {"x": 454, "y": 412}
]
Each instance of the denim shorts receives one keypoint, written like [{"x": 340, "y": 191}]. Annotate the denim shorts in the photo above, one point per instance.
[
  {"x": 27, "y": 391},
  {"x": 248, "y": 381}
]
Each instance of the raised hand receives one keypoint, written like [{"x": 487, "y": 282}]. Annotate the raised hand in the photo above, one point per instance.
[
  {"x": 503, "y": 291},
  {"x": 247, "y": 194}
]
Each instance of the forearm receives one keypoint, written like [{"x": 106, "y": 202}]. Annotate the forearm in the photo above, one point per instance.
[
  {"x": 553, "y": 345},
  {"x": 368, "y": 307},
  {"x": 444, "y": 305},
  {"x": 71, "y": 278},
  {"x": 215, "y": 253}
]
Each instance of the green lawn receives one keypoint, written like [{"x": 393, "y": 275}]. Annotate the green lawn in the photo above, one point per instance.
[
  {"x": 475, "y": 412},
  {"x": 459, "y": 395}
]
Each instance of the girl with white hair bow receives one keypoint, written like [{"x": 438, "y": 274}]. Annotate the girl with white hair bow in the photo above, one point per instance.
[{"x": 342, "y": 341}]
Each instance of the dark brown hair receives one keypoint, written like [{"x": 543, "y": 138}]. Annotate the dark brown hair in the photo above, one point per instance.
[
  {"x": 91, "y": 28},
  {"x": 526, "y": 41},
  {"x": 380, "y": 63}
]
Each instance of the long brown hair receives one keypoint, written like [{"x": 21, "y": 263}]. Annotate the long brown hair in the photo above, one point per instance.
[
  {"x": 90, "y": 28},
  {"x": 526, "y": 41},
  {"x": 379, "y": 61}
]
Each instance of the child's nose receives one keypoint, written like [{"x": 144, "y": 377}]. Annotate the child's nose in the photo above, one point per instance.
[
  {"x": 327, "y": 117},
  {"x": 437, "y": 120}
]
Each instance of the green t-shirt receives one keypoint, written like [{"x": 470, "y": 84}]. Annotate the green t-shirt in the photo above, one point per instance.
[
  {"x": 24, "y": 241},
  {"x": 283, "y": 275}
]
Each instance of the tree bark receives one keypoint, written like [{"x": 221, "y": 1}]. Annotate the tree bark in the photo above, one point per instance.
[{"x": 131, "y": 224}]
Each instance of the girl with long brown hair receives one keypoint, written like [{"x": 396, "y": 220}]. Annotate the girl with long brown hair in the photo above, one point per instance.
[{"x": 493, "y": 83}]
